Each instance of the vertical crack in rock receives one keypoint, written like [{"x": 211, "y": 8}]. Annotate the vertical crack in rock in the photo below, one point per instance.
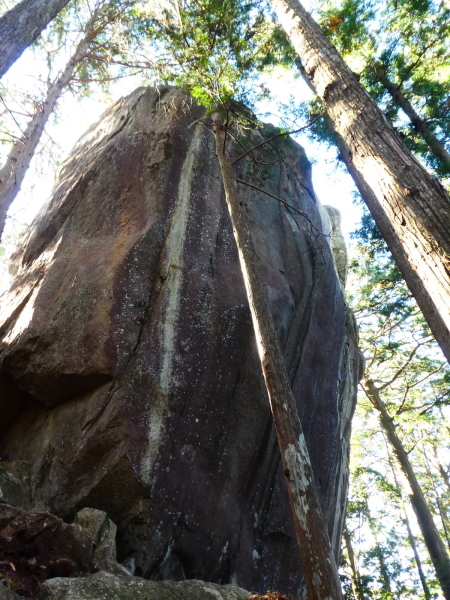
[{"x": 172, "y": 273}]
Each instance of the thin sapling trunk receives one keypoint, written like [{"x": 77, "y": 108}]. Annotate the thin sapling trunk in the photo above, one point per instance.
[{"x": 320, "y": 571}]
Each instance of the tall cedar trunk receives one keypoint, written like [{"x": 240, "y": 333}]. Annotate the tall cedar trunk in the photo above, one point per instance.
[
  {"x": 433, "y": 540},
  {"x": 14, "y": 170},
  {"x": 419, "y": 124},
  {"x": 320, "y": 571},
  {"x": 410, "y": 207},
  {"x": 356, "y": 577},
  {"x": 21, "y": 25}
]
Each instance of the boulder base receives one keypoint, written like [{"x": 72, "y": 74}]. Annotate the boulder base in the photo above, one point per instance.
[{"x": 104, "y": 586}]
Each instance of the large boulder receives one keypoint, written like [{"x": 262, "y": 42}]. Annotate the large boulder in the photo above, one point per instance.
[{"x": 130, "y": 376}]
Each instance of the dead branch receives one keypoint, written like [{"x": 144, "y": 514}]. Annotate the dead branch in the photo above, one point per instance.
[{"x": 277, "y": 135}]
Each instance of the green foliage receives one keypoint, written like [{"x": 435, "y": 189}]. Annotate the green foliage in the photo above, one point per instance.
[
  {"x": 413, "y": 380},
  {"x": 405, "y": 42},
  {"x": 214, "y": 48}
]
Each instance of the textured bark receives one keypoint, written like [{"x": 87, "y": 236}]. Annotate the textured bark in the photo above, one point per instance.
[
  {"x": 409, "y": 206},
  {"x": 419, "y": 124},
  {"x": 18, "y": 161},
  {"x": 21, "y": 25},
  {"x": 444, "y": 474},
  {"x": 319, "y": 568},
  {"x": 356, "y": 577},
  {"x": 433, "y": 540}
]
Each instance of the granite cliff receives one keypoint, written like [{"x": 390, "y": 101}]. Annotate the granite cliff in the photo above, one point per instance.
[{"x": 130, "y": 380}]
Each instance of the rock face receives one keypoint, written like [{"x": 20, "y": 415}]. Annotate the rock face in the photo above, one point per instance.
[
  {"x": 130, "y": 377},
  {"x": 103, "y": 586},
  {"x": 36, "y": 546}
]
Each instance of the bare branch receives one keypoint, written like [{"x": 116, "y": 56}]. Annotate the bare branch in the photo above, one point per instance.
[{"x": 276, "y": 136}]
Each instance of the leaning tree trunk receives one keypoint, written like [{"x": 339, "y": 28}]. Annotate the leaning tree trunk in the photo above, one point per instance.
[
  {"x": 412, "y": 541},
  {"x": 436, "y": 495},
  {"x": 319, "y": 567},
  {"x": 21, "y": 25},
  {"x": 444, "y": 475},
  {"x": 357, "y": 587},
  {"x": 433, "y": 540},
  {"x": 13, "y": 172},
  {"x": 419, "y": 124},
  {"x": 410, "y": 207}
]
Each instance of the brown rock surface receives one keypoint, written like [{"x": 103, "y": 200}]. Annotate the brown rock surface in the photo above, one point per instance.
[
  {"x": 35, "y": 546},
  {"x": 132, "y": 381}
]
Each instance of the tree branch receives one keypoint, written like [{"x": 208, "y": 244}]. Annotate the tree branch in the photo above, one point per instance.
[
  {"x": 303, "y": 214},
  {"x": 276, "y": 136}
]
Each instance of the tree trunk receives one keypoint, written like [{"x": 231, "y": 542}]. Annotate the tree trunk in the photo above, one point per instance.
[
  {"x": 21, "y": 25},
  {"x": 320, "y": 571},
  {"x": 444, "y": 474},
  {"x": 410, "y": 207},
  {"x": 421, "y": 126},
  {"x": 433, "y": 540},
  {"x": 356, "y": 577},
  {"x": 13, "y": 172},
  {"x": 412, "y": 541},
  {"x": 436, "y": 495}
]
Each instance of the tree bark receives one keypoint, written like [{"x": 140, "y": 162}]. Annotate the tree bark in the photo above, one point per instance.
[
  {"x": 319, "y": 567},
  {"x": 410, "y": 207},
  {"x": 18, "y": 161},
  {"x": 412, "y": 541},
  {"x": 356, "y": 577},
  {"x": 419, "y": 124},
  {"x": 21, "y": 25},
  {"x": 433, "y": 540}
]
